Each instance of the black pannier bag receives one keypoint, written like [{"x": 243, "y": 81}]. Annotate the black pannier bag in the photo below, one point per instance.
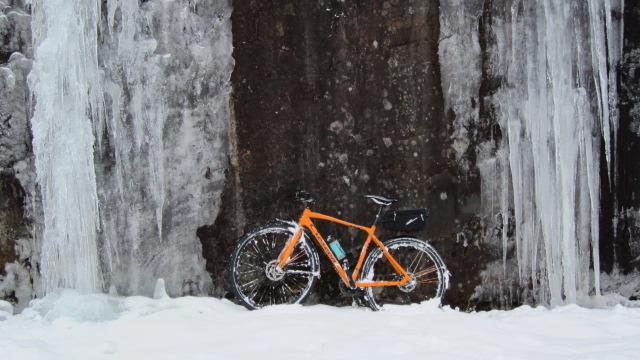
[{"x": 405, "y": 220}]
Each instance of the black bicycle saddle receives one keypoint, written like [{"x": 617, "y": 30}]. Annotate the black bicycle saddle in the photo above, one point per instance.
[{"x": 381, "y": 200}]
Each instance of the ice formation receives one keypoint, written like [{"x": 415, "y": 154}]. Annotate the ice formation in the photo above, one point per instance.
[
  {"x": 459, "y": 54},
  {"x": 555, "y": 104},
  {"x": 68, "y": 95},
  {"x": 143, "y": 88},
  {"x": 167, "y": 69}
]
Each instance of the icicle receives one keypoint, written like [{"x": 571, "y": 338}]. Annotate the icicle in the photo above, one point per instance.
[{"x": 547, "y": 125}]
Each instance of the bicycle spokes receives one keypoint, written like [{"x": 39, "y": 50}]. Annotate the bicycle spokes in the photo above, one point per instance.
[
  {"x": 418, "y": 260},
  {"x": 429, "y": 270},
  {"x": 255, "y": 272},
  {"x": 296, "y": 257}
]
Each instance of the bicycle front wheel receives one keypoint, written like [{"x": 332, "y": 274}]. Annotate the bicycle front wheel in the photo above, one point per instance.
[
  {"x": 429, "y": 276},
  {"x": 255, "y": 278}
]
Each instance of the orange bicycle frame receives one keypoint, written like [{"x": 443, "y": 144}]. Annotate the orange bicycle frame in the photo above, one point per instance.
[{"x": 307, "y": 222}]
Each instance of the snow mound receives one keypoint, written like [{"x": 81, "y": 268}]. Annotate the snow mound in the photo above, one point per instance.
[
  {"x": 68, "y": 325},
  {"x": 71, "y": 304}
]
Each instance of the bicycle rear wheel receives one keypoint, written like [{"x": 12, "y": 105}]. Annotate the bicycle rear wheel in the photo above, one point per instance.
[
  {"x": 255, "y": 279},
  {"x": 429, "y": 276}
]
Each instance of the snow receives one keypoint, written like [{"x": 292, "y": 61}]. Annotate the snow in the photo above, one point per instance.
[{"x": 68, "y": 325}]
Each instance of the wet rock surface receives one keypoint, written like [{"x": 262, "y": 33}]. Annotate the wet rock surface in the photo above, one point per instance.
[
  {"x": 344, "y": 99},
  {"x": 622, "y": 251},
  {"x": 17, "y": 178}
]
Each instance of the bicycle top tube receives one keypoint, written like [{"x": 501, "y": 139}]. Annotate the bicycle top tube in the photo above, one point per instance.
[
  {"x": 308, "y": 214},
  {"x": 309, "y": 200}
]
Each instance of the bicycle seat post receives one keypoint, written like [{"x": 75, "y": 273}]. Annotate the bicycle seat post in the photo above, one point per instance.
[
  {"x": 309, "y": 204},
  {"x": 379, "y": 214},
  {"x": 382, "y": 201}
]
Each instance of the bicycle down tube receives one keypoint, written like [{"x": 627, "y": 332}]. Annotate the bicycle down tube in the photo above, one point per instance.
[{"x": 307, "y": 222}]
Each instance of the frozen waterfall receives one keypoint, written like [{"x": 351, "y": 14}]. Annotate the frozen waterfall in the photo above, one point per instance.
[
  {"x": 555, "y": 105},
  {"x": 68, "y": 95},
  {"x": 130, "y": 139},
  {"x": 167, "y": 68}
]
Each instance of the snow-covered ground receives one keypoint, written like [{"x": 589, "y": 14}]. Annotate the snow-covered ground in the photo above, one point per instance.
[{"x": 66, "y": 325}]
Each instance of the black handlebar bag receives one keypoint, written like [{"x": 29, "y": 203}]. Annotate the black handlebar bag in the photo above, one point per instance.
[{"x": 405, "y": 220}]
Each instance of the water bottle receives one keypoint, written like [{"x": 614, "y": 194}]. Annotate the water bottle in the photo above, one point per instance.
[{"x": 336, "y": 248}]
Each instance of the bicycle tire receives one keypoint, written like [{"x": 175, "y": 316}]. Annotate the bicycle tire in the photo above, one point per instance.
[
  {"x": 421, "y": 261},
  {"x": 254, "y": 279}
]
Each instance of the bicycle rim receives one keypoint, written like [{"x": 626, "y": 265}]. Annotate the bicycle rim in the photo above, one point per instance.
[
  {"x": 255, "y": 279},
  {"x": 429, "y": 277}
]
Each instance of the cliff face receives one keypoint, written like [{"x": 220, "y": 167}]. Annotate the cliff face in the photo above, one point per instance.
[
  {"x": 17, "y": 176},
  {"x": 345, "y": 98},
  {"x": 623, "y": 251},
  {"x": 435, "y": 104}
]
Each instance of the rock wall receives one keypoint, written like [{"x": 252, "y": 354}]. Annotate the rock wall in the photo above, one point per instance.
[
  {"x": 395, "y": 98},
  {"x": 622, "y": 252},
  {"x": 344, "y": 98},
  {"x": 17, "y": 174}
]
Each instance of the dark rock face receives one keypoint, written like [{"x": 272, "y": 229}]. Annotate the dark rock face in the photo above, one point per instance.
[
  {"x": 623, "y": 249},
  {"x": 11, "y": 225},
  {"x": 13, "y": 229},
  {"x": 347, "y": 99},
  {"x": 344, "y": 98},
  {"x": 16, "y": 158}
]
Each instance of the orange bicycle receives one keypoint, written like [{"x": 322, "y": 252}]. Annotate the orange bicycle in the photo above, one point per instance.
[{"x": 277, "y": 263}]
